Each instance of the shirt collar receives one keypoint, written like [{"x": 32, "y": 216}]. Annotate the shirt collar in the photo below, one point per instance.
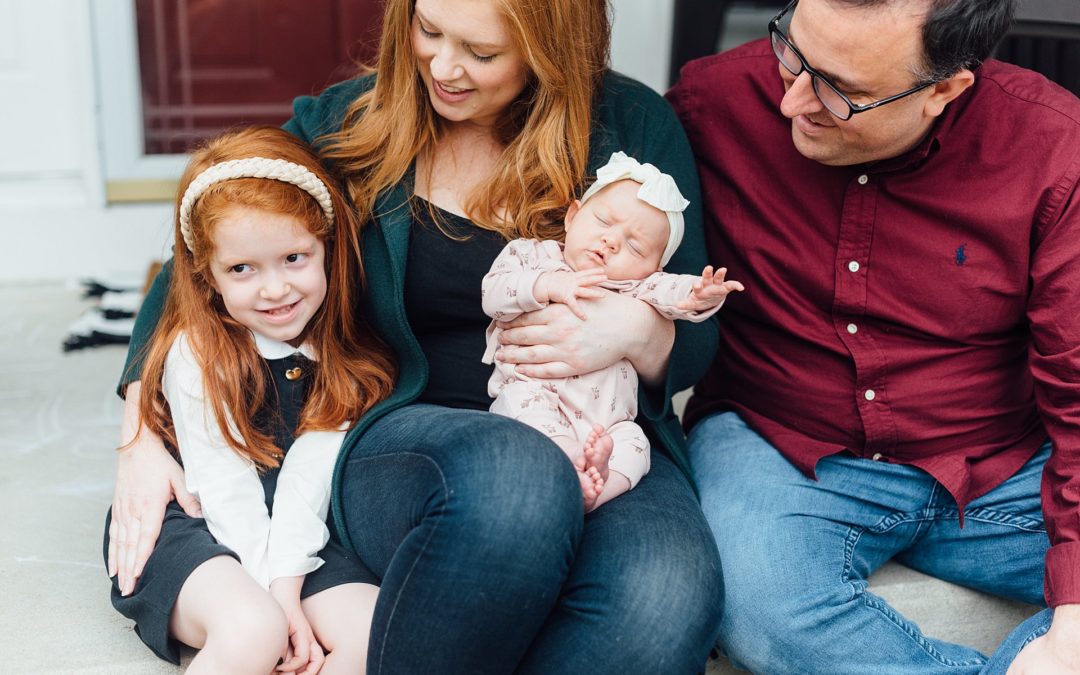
[{"x": 273, "y": 349}]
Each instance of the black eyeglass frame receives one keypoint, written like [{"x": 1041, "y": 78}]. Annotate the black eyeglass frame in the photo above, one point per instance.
[{"x": 817, "y": 79}]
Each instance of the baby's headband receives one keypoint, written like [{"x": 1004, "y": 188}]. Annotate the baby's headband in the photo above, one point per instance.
[
  {"x": 252, "y": 167},
  {"x": 657, "y": 189}
]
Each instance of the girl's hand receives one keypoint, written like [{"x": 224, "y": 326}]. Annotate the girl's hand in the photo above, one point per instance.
[
  {"x": 709, "y": 291},
  {"x": 304, "y": 655},
  {"x": 567, "y": 287},
  {"x": 147, "y": 479},
  {"x": 552, "y": 342}
]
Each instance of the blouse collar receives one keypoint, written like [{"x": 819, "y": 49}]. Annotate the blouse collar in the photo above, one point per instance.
[{"x": 273, "y": 349}]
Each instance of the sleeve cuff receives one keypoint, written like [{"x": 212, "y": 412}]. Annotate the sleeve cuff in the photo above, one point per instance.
[
  {"x": 526, "y": 300},
  {"x": 294, "y": 568},
  {"x": 1062, "y": 582}
]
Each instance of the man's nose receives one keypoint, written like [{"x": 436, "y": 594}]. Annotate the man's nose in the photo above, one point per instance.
[{"x": 800, "y": 98}]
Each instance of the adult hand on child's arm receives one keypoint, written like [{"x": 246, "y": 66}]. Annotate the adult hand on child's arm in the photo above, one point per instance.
[
  {"x": 304, "y": 655},
  {"x": 147, "y": 479},
  {"x": 1056, "y": 652},
  {"x": 567, "y": 287},
  {"x": 553, "y": 342},
  {"x": 709, "y": 291}
]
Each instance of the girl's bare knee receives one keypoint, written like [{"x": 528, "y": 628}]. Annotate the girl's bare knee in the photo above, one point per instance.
[{"x": 251, "y": 637}]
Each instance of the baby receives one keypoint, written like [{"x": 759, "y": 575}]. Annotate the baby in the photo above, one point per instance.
[{"x": 619, "y": 235}]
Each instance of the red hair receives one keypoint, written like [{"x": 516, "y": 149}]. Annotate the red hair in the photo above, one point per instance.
[{"x": 355, "y": 369}]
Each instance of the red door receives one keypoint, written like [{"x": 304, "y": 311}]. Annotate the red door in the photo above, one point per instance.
[{"x": 207, "y": 65}]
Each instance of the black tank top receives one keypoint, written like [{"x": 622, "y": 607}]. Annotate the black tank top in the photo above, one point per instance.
[{"x": 442, "y": 302}]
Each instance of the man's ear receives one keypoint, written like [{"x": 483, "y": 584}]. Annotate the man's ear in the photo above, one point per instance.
[
  {"x": 944, "y": 92},
  {"x": 571, "y": 211}
]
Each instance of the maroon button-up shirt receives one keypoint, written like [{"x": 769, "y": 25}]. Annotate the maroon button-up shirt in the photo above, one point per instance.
[{"x": 922, "y": 310}]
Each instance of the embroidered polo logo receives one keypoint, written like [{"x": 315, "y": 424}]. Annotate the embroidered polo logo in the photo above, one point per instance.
[{"x": 961, "y": 255}]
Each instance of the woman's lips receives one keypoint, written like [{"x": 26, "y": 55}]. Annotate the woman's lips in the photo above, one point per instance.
[{"x": 451, "y": 95}]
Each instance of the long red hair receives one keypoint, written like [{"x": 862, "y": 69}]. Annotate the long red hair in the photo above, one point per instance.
[{"x": 355, "y": 369}]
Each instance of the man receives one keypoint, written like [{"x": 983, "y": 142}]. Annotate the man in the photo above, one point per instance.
[{"x": 902, "y": 374}]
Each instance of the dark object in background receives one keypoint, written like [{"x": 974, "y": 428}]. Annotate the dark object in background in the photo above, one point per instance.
[{"x": 111, "y": 319}]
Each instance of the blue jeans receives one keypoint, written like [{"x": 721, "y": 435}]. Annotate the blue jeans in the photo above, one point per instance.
[
  {"x": 474, "y": 523},
  {"x": 797, "y": 554}
]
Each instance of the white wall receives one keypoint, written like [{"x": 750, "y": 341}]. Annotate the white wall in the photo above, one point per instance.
[
  {"x": 52, "y": 211},
  {"x": 641, "y": 40},
  {"x": 53, "y": 215}
]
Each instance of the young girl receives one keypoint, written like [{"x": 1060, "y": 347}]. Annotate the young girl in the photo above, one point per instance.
[
  {"x": 248, "y": 377},
  {"x": 619, "y": 236}
]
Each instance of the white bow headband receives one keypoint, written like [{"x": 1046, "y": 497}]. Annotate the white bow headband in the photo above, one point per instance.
[
  {"x": 252, "y": 167},
  {"x": 657, "y": 189}
]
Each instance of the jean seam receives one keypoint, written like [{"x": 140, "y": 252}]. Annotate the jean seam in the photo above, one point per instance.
[
  {"x": 874, "y": 602},
  {"x": 1020, "y": 522},
  {"x": 416, "y": 560},
  {"x": 898, "y": 518},
  {"x": 1041, "y": 631},
  {"x": 858, "y": 589},
  {"x": 852, "y": 540}
]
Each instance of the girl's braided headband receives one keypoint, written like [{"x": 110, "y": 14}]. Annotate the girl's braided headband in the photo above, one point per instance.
[{"x": 252, "y": 167}]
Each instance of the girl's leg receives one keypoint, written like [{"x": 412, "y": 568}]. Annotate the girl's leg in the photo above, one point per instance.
[
  {"x": 237, "y": 626},
  {"x": 341, "y": 618},
  {"x": 471, "y": 520}
]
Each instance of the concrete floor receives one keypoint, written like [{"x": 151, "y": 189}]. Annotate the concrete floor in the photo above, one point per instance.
[{"x": 58, "y": 424}]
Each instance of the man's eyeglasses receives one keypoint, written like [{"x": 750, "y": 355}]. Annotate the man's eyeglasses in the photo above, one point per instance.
[{"x": 834, "y": 100}]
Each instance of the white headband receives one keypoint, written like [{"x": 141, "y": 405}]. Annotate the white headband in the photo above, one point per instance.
[
  {"x": 252, "y": 167},
  {"x": 657, "y": 189}
]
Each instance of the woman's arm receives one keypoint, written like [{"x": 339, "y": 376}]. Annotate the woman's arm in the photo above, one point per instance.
[
  {"x": 147, "y": 478},
  {"x": 553, "y": 342}
]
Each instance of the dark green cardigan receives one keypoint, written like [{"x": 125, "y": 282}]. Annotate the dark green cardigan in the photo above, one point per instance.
[{"x": 628, "y": 117}]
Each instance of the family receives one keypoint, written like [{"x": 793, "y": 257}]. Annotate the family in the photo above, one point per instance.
[{"x": 400, "y": 403}]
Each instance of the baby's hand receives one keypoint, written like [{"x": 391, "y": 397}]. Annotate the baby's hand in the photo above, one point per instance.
[
  {"x": 709, "y": 291},
  {"x": 567, "y": 287}
]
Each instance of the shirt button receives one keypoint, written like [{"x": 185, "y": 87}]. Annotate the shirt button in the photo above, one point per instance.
[
  {"x": 869, "y": 394},
  {"x": 877, "y": 457},
  {"x": 853, "y": 266},
  {"x": 852, "y": 328},
  {"x": 864, "y": 179}
]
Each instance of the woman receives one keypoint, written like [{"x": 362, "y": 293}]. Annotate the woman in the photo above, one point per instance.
[{"x": 484, "y": 120}]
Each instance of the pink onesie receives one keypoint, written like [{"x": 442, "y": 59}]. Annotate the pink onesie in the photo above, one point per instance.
[{"x": 571, "y": 406}]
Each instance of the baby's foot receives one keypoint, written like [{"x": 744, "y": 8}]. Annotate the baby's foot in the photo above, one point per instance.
[
  {"x": 592, "y": 484},
  {"x": 598, "y": 448}
]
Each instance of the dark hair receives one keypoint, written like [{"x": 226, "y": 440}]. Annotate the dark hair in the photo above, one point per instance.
[
  {"x": 961, "y": 34},
  {"x": 957, "y": 33}
]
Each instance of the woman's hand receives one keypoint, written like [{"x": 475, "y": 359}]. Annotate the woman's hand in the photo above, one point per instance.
[
  {"x": 552, "y": 342},
  {"x": 304, "y": 655},
  {"x": 147, "y": 479}
]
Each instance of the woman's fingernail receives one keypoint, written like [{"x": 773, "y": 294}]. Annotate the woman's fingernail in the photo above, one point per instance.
[{"x": 280, "y": 661}]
